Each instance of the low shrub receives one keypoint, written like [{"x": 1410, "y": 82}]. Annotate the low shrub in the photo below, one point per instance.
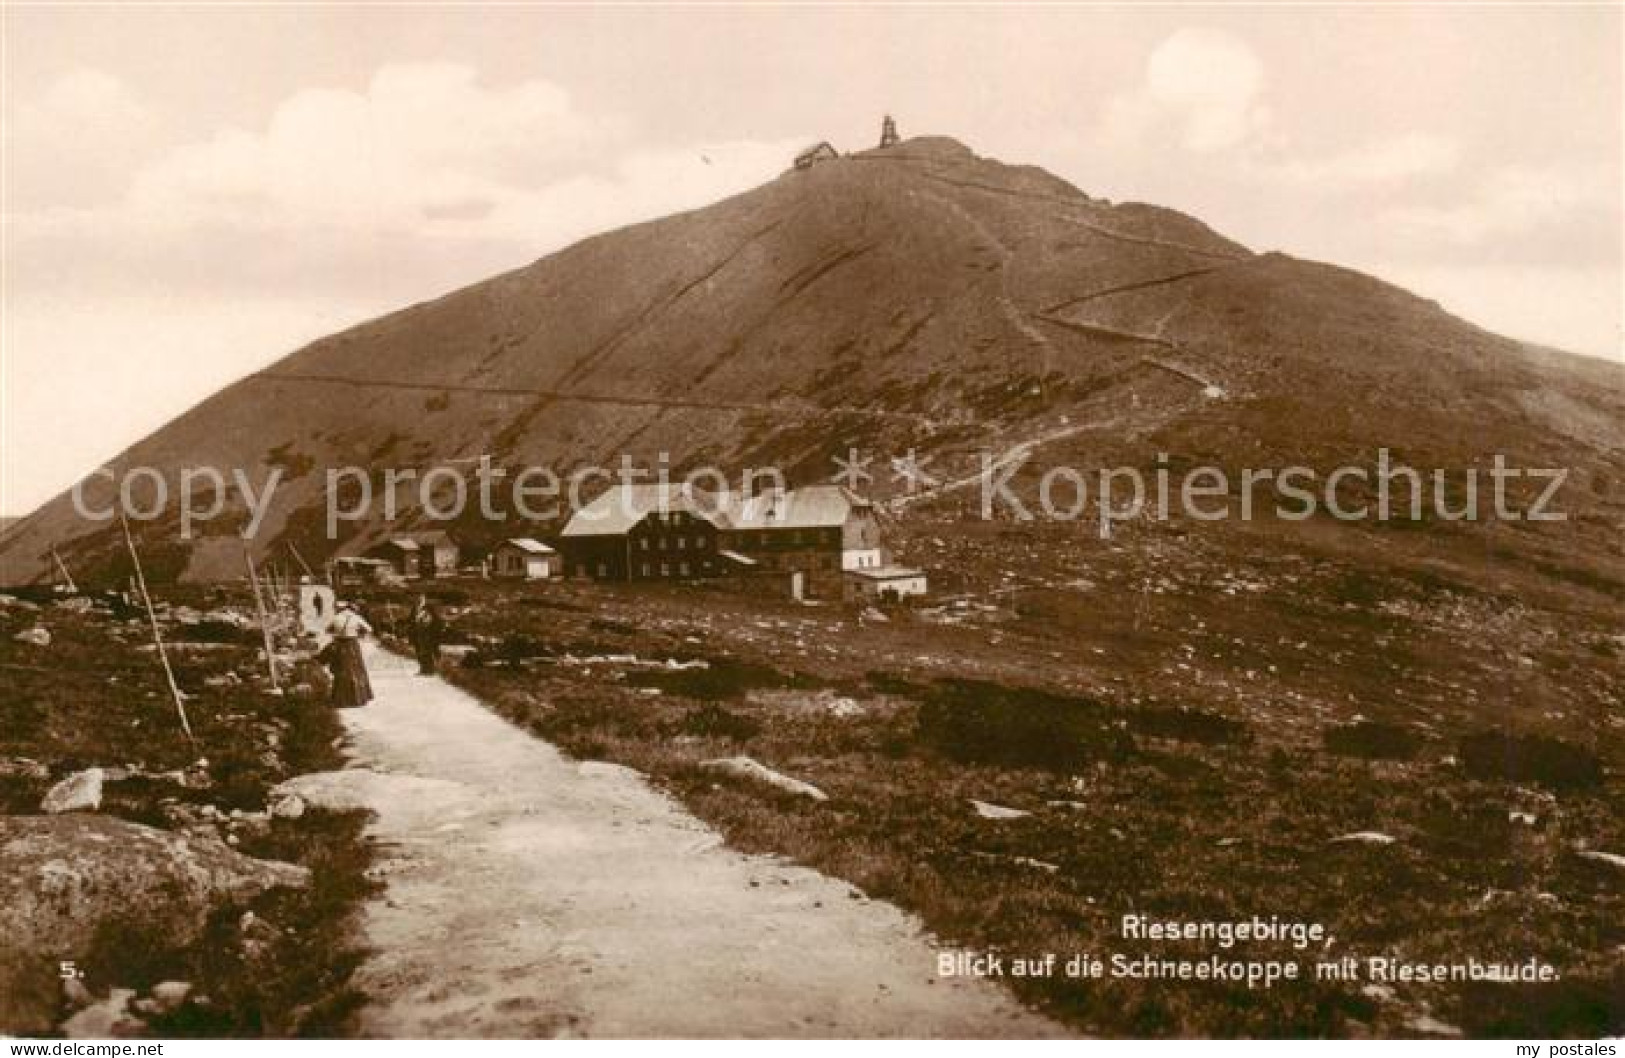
[
  {"x": 1530, "y": 758},
  {"x": 972, "y": 721},
  {"x": 1373, "y": 740}
]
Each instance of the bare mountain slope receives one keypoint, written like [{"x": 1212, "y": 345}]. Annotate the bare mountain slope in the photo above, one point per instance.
[{"x": 918, "y": 296}]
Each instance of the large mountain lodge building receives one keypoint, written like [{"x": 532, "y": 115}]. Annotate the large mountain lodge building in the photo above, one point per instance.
[
  {"x": 818, "y": 532},
  {"x": 810, "y": 537},
  {"x": 643, "y": 532}
]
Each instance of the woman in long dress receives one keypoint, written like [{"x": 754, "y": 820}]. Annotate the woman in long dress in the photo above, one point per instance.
[{"x": 351, "y": 688}]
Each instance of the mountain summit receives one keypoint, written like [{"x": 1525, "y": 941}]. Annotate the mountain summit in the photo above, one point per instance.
[{"x": 917, "y": 297}]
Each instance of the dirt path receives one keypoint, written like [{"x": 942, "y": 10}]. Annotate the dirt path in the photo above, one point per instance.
[{"x": 528, "y": 895}]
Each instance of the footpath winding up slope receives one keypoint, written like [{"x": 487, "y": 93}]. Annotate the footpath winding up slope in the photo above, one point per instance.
[{"x": 528, "y": 895}]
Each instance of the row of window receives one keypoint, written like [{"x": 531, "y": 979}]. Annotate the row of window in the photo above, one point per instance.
[
  {"x": 700, "y": 543},
  {"x": 683, "y": 569},
  {"x": 792, "y": 562},
  {"x": 794, "y": 537},
  {"x": 647, "y": 570}
]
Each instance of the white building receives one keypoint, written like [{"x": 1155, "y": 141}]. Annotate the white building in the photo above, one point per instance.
[
  {"x": 883, "y": 584},
  {"x": 525, "y": 558}
]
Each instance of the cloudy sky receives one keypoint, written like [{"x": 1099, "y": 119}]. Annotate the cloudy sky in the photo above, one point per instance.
[{"x": 192, "y": 192}]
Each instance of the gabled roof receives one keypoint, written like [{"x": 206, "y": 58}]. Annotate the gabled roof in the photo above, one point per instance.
[
  {"x": 618, "y": 509},
  {"x": 813, "y": 507},
  {"x": 885, "y": 572},
  {"x": 528, "y": 545},
  {"x": 819, "y": 149},
  {"x": 433, "y": 538}
]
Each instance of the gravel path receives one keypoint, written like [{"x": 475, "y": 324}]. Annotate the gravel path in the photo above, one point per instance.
[{"x": 528, "y": 895}]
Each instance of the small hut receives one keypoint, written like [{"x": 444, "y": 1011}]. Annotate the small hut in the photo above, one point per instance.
[
  {"x": 427, "y": 554},
  {"x": 884, "y": 584},
  {"x": 526, "y": 559},
  {"x": 817, "y": 153}
]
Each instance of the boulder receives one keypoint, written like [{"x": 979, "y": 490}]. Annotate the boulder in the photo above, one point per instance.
[
  {"x": 38, "y": 636},
  {"x": 843, "y": 708},
  {"x": 288, "y": 806},
  {"x": 746, "y": 768},
  {"x": 1613, "y": 859},
  {"x": 169, "y": 995},
  {"x": 235, "y": 618},
  {"x": 1364, "y": 837},
  {"x": 63, "y": 877},
  {"x": 106, "y": 1019},
  {"x": 79, "y": 792},
  {"x": 1428, "y": 1025},
  {"x": 989, "y": 810}
]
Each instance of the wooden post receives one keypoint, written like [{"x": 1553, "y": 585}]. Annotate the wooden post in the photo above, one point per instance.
[
  {"x": 273, "y": 596},
  {"x": 63, "y": 569},
  {"x": 301, "y": 560},
  {"x": 265, "y": 622},
  {"x": 152, "y": 619},
  {"x": 288, "y": 601},
  {"x": 276, "y": 579}
]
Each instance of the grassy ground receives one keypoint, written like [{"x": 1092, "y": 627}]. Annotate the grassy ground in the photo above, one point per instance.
[
  {"x": 1188, "y": 758},
  {"x": 96, "y": 697}
]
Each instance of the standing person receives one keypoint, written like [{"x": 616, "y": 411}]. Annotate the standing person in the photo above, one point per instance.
[
  {"x": 427, "y": 628},
  {"x": 351, "y": 688}
]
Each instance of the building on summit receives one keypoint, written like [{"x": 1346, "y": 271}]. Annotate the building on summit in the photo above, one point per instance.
[{"x": 888, "y": 132}]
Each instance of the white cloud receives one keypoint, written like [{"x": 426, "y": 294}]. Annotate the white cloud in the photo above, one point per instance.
[
  {"x": 423, "y": 143},
  {"x": 1213, "y": 82},
  {"x": 429, "y": 151},
  {"x": 76, "y": 143},
  {"x": 224, "y": 251},
  {"x": 1205, "y": 92},
  {"x": 1399, "y": 159},
  {"x": 427, "y": 161},
  {"x": 1203, "y": 86},
  {"x": 1511, "y": 202}
]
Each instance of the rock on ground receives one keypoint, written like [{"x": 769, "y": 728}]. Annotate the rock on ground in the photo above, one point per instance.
[
  {"x": 1364, "y": 837},
  {"x": 169, "y": 995},
  {"x": 62, "y": 877},
  {"x": 1613, "y": 859},
  {"x": 105, "y": 1019},
  {"x": 38, "y": 636},
  {"x": 79, "y": 792},
  {"x": 287, "y": 806},
  {"x": 747, "y": 768},
  {"x": 989, "y": 810}
]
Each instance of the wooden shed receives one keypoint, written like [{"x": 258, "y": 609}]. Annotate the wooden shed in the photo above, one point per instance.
[
  {"x": 523, "y": 558},
  {"x": 423, "y": 554}
]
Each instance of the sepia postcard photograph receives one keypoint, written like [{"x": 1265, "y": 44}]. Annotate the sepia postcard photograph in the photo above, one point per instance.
[{"x": 804, "y": 521}]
